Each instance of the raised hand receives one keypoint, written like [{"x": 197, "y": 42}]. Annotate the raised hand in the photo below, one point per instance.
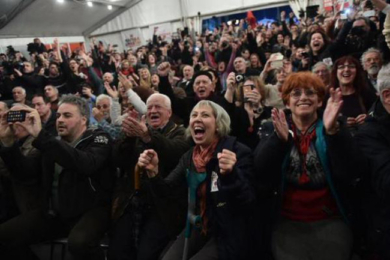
[
  {"x": 134, "y": 128},
  {"x": 254, "y": 97},
  {"x": 148, "y": 160},
  {"x": 6, "y": 135},
  {"x": 112, "y": 91},
  {"x": 280, "y": 124},
  {"x": 231, "y": 81},
  {"x": 32, "y": 124},
  {"x": 163, "y": 69},
  {"x": 226, "y": 161},
  {"x": 332, "y": 111},
  {"x": 97, "y": 114}
]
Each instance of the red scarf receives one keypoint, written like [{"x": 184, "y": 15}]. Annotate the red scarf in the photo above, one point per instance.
[{"x": 200, "y": 159}]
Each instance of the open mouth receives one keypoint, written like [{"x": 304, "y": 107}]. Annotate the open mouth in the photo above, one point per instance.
[
  {"x": 202, "y": 91},
  {"x": 154, "y": 118},
  {"x": 199, "y": 132},
  {"x": 346, "y": 75}
]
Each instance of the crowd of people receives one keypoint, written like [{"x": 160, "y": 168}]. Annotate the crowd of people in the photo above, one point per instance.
[{"x": 251, "y": 141}]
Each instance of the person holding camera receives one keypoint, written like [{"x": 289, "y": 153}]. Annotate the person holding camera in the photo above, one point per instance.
[
  {"x": 249, "y": 93},
  {"x": 76, "y": 179}
]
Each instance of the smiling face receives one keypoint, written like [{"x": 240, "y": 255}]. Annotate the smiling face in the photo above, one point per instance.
[
  {"x": 158, "y": 113},
  {"x": 203, "y": 126},
  {"x": 104, "y": 107},
  {"x": 346, "y": 73},
  {"x": 203, "y": 87},
  {"x": 303, "y": 103},
  {"x": 70, "y": 123},
  {"x": 107, "y": 77},
  {"x": 155, "y": 80},
  {"x": 372, "y": 63},
  {"x": 316, "y": 42}
]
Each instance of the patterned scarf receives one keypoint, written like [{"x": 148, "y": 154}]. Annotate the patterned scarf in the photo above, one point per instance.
[
  {"x": 302, "y": 143},
  {"x": 200, "y": 159}
]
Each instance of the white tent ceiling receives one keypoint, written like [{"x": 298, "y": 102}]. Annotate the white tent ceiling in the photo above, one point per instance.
[{"x": 25, "y": 18}]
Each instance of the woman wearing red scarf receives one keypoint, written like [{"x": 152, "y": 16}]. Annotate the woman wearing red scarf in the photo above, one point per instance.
[
  {"x": 217, "y": 171},
  {"x": 308, "y": 165}
]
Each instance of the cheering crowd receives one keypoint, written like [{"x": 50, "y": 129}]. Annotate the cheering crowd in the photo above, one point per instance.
[{"x": 250, "y": 141}]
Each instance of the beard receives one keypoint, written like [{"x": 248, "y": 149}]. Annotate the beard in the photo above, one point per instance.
[{"x": 373, "y": 70}]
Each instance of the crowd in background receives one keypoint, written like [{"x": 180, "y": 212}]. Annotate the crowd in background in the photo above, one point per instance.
[{"x": 287, "y": 139}]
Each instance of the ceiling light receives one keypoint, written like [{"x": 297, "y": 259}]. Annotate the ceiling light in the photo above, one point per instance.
[
  {"x": 60, "y": 1},
  {"x": 89, "y": 4},
  {"x": 109, "y": 7}
]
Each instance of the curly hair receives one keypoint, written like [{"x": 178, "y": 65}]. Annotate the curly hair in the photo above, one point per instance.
[{"x": 305, "y": 80}]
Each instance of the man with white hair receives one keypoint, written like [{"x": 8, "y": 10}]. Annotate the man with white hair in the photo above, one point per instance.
[
  {"x": 374, "y": 140},
  {"x": 19, "y": 95},
  {"x": 372, "y": 62},
  {"x": 142, "y": 232}
]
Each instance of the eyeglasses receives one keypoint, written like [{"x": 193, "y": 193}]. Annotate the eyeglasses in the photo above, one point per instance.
[
  {"x": 297, "y": 93},
  {"x": 349, "y": 66},
  {"x": 102, "y": 106}
]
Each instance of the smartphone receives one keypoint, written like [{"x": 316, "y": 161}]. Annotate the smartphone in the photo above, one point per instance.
[
  {"x": 245, "y": 90},
  {"x": 276, "y": 64},
  {"x": 16, "y": 116},
  {"x": 369, "y": 13}
]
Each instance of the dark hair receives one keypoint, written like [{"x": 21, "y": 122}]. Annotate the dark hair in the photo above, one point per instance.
[
  {"x": 79, "y": 102},
  {"x": 45, "y": 99},
  {"x": 324, "y": 37},
  {"x": 359, "y": 83}
]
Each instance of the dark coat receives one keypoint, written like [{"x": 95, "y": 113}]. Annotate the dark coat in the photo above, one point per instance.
[
  {"x": 228, "y": 210},
  {"x": 170, "y": 144},
  {"x": 24, "y": 191},
  {"x": 86, "y": 179},
  {"x": 374, "y": 140},
  {"x": 338, "y": 154}
]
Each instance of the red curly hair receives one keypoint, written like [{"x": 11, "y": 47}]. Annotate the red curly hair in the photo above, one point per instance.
[{"x": 305, "y": 80}]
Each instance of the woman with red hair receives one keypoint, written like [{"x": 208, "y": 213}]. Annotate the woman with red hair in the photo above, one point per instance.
[
  {"x": 348, "y": 75},
  {"x": 306, "y": 167}
]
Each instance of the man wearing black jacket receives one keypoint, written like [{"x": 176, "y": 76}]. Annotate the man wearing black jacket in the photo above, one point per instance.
[
  {"x": 75, "y": 175},
  {"x": 374, "y": 140}
]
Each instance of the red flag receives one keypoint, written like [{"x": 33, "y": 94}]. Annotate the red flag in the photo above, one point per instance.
[{"x": 251, "y": 19}]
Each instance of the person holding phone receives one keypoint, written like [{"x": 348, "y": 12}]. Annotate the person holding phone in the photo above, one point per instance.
[
  {"x": 24, "y": 192},
  {"x": 75, "y": 176}
]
